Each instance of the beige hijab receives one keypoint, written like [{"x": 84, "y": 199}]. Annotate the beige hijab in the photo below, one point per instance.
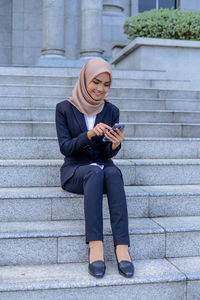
[{"x": 80, "y": 97}]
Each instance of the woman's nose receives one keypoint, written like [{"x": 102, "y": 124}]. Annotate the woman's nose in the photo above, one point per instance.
[{"x": 100, "y": 88}]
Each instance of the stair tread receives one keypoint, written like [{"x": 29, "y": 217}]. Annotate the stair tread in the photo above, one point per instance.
[
  {"x": 128, "y": 123},
  {"x": 157, "y": 225},
  {"x": 74, "y": 275},
  {"x": 52, "y": 192},
  {"x": 70, "y": 228},
  {"x": 57, "y": 162},
  {"x": 125, "y": 138}
]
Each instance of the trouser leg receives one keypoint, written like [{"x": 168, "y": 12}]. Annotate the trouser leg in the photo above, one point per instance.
[
  {"x": 89, "y": 180},
  {"x": 117, "y": 205}
]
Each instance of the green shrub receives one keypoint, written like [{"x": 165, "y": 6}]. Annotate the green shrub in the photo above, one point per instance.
[{"x": 165, "y": 24}]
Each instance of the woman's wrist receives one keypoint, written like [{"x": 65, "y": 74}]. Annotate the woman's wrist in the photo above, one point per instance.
[
  {"x": 114, "y": 146},
  {"x": 90, "y": 134}
]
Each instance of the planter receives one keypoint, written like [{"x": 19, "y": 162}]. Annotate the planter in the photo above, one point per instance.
[{"x": 160, "y": 54}]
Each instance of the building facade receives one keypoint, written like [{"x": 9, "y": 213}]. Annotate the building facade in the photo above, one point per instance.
[{"x": 63, "y": 32}]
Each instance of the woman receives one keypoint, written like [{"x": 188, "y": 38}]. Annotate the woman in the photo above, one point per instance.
[{"x": 81, "y": 122}]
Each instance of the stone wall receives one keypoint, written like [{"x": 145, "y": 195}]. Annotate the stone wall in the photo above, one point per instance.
[
  {"x": 5, "y": 31},
  {"x": 27, "y": 31}
]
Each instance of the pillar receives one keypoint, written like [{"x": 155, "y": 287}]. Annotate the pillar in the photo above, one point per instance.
[
  {"x": 53, "y": 51},
  {"x": 91, "y": 28}
]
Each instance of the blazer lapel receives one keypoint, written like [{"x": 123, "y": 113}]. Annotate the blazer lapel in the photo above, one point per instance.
[
  {"x": 100, "y": 115},
  {"x": 80, "y": 119}
]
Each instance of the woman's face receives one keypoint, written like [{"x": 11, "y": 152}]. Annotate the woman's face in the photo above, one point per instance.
[{"x": 99, "y": 86}]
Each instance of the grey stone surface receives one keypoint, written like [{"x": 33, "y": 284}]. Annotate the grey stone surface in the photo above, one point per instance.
[
  {"x": 159, "y": 277},
  {"x": 25, "y": 209},
  {"x": 190, "y": 266},
  {"x": 163, "y": 291},
  {"x": 183, "y": 235},
  {"x": 140, "y": 116},
  {"x": 193, "y": 290},
  {"x": 65, "y": 241},
  {"x": 174, "y": 205},
  {"x": 28, "y": 251},
  {"x": 135, "y": 172},
  {"x": 168, "y": 55}
]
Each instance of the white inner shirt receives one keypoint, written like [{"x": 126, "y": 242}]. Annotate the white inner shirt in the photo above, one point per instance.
[{"x": 90, "y": 120}]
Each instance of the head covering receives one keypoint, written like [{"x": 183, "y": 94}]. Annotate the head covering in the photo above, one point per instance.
[{"x": 80, "y": 97}]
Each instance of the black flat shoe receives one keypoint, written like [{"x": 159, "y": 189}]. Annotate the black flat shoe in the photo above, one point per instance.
[
  {"x": 97, "y": 268},
  {"x": 125, "y": 267}
]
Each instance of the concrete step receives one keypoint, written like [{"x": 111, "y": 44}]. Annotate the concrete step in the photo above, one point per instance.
[
  {"x": 47, "y": 129},
  {"x": 71, "y": 80},
  {"x": 74, "y": 72},
  {"x": 55, "y": 204},
  {"x": 136, "y": 148},
  {"x": 121, "y": 102},
  {"x": 120, "y": 91},
  {"x": 153, "y": 279},
  {"x": 44, "y": 242},
  {"x": 147, "y": 116},
  {"x": 18, "y": 173}
]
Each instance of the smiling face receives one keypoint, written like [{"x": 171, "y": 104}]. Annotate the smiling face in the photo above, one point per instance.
[{"x": 99, "y": 86}]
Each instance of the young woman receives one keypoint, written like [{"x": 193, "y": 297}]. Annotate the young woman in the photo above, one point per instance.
[{"x": 81, "y": 122}]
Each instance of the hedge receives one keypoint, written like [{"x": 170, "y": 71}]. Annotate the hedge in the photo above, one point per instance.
[{"x": 165, "y": 24}]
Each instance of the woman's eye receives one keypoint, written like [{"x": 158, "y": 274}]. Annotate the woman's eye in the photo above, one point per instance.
[{"x": 96, "y": 82}]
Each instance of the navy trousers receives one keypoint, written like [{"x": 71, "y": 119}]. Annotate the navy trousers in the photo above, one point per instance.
[{"x": 93, "y": 182}]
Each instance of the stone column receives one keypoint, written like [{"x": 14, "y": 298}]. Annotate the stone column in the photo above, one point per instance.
[
  {"x": 91, "y": 28},
  {"x": 53, "y": 53},
  {"x": 113, "y": 20},
  {"x": 72, "y": 29}
]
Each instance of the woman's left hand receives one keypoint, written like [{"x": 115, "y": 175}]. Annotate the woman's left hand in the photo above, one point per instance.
[{"x": 115, "y": 136}]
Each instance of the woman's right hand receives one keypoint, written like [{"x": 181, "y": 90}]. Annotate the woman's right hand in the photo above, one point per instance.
[{"x": 99, "y": 129}]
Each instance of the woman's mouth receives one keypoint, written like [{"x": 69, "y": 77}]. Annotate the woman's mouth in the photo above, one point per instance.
[{"x": 97, "y": 94}]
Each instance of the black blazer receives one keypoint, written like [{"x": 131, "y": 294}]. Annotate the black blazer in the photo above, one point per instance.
[{"x": 74, "y": 143}]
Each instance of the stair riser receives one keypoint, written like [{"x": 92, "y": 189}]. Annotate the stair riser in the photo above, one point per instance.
[
  {"x": 125, "y": 116},
  {"x": 29, "y": 80},
  {"x": 66, "y": 208},
  {"x": 114, "y": 92},
  {"x": 50, "y": 102},
  {"x": 150, "y": 291},
  {"x": 132, "y": 130},
  {"x": 66, "y": 249},
  {"x": 47, "y": 250},
  {"x": 44, "y": 175},
  {"x": 136, "y": 149}
]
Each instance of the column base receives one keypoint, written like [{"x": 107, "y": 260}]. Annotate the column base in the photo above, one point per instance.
[
  {"x": 58, "y": 61},
  {"x": 52, "y": 61}
]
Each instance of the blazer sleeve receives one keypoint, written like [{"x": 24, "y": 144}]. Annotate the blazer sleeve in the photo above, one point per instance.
[
  {"x": 68, "y": 145},
  {"x": 108, "y": 152}
]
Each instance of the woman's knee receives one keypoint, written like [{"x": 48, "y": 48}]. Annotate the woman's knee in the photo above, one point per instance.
[
  {"x": 112, "y": 171},
  {"x": 94, "y": 172}
]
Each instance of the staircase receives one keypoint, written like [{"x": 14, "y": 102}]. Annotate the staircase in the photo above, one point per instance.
[{"x": 43, "y": 254}]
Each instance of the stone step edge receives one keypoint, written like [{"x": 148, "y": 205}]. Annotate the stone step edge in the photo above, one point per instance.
[
  {"x": 75, "y": 275},
  {"x": 125, "y": 138},
  {"x": 68, "y": 76},
  {"x": 119, "y": 87},
  {"x": 127, "y": 123},
  {"x": 121, "y": 110},
  {"x": 110, "y": 97},
  {"x": 122, "y": 162},
  {"x": 131, "y": 191},
  {"x": 72, "y": 228}
]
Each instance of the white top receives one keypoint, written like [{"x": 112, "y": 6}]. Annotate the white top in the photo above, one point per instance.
[{"x": 90, "y": 120}]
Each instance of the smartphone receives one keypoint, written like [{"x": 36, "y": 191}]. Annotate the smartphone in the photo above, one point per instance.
[{"x": 120, "y": 126}]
